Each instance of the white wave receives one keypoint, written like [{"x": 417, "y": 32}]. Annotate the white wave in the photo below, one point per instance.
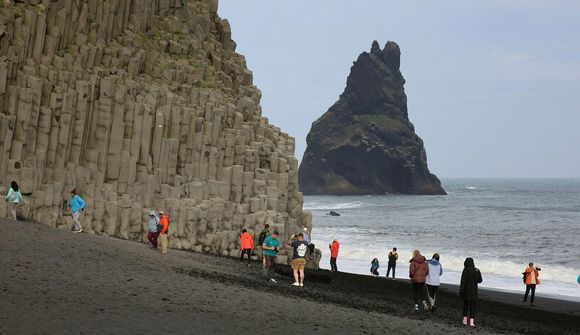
[
  {"x": 471, "y": 188},
  {"x": 321, "y": 206}
]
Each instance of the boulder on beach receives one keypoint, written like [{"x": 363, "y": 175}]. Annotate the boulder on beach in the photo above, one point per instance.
[{"x": 365, "y": 143}]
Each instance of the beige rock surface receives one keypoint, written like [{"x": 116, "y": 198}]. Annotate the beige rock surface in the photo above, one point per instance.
[{"x": 140, "y": 104}]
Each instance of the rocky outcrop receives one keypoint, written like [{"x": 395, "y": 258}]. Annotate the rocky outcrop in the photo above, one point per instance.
[
  {"x": 140, "y": 104},
  {"x": 365, "y": 143}
]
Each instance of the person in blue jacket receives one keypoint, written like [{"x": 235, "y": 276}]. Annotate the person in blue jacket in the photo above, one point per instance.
[
  {"x": 375, "y": 267},
  {"x": 77, "y": 205},
  {"x": 13, "y": 198}
]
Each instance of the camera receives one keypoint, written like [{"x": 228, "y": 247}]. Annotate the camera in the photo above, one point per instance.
[{"x": 539, "y": 269}]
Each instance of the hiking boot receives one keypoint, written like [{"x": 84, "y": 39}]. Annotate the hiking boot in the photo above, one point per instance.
[{"x": 425, "y": 305}]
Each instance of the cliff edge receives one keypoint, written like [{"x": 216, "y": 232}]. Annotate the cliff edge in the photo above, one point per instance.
[
  {"x": 140, "y": 104},
  {"x": 365, "y": 143}
]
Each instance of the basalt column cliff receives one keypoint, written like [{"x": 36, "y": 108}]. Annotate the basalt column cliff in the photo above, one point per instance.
[
  {"x": 140, "y": 104},
  {"x": 365, "y": 143}
]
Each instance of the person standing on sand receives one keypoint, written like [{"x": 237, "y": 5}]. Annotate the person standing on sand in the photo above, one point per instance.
[
  {"x": 393, "y": 257},
  {"x": 375, "y": 267},
  {"x": 263, "y": 234},
  {"x": 418, "y": 271},
  {"x": 13, "y": 198},
  {"x": 531, "y": 275},
  {"x": 153, "y": 231},
  {"x": 271, "y": 246},
  {"x": 470, "y": 278},
  {"x": 433, "y": 278},
  {"x": 333, "y": 254},
  {"x": 164, "y": 222},
  {"x": 299, "y": 248},
  {"x": 77, "y": 205},
  {"x": 246, "y": 245}
]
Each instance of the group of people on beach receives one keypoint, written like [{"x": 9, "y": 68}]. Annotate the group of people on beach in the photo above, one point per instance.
[{"x": 424, "y": 274}]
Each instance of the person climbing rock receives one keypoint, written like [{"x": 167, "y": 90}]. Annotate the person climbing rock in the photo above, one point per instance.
[{"x": 77, "y": 205}]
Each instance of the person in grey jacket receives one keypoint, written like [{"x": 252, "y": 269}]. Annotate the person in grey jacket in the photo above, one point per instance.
[{"x": 433, "y": 282}]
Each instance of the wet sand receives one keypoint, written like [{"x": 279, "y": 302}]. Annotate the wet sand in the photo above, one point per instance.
[{"x": 56, "y": 282}]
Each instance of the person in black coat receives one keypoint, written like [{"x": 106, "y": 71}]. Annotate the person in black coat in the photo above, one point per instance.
[{"x": 470, "y": 277}]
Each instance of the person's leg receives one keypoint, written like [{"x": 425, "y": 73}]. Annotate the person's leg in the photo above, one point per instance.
[
  {"x": 416, "y": 293},
  {"x": 12, "y": 207},
  {"x": 431, "y": 292},
  {"x": 389, "y": 267},
  {"x": 301, "y": 272},
  {"x": 527, "y": 292},
  {"x": 242, "y": 255},
  {"x": 394, "y": 267},
  {"x": 434, "y": 295},
  {"x": 263, "y": 260},
  {"x": 163, "y": 243},
  {"x": 77, "y": 223},
  {"x": 150, "y": 238},
  {"x": 472, "y": 306},
  {"x": 155, "y": 239},
  {"x": 465, "y": 310},
  {"x": 533, "y": 287}
]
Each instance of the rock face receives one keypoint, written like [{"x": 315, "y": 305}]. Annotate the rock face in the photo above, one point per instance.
[
  {"x": 140, "y": 104},
  {"x": 365, "y": 143}
]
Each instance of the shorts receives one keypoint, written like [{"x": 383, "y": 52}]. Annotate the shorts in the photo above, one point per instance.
[{"x": 298, "y": 264}]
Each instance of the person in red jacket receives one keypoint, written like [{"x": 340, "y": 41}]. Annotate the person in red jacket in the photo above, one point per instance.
[
  {"x": 333, "y": 254},
  {"x": 246, "y": 245},
  {"x": 418, "y": 271},
  {"x": 532, "y": 279}
]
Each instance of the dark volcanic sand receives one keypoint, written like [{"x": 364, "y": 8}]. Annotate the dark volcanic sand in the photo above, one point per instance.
[{"x": 56, "y": 282}]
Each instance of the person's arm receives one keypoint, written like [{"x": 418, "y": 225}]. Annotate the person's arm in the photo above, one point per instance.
[
  {"x": 440, "y": 269},
  {"x": 462, "y": 283},
  {"x": 411, "y": 269},
  {"x": 396, "y": 256},
  {"x": 9, "y": 194},
  {"x": 82, "y": 202},
  {"x": 479, "y": 279}
]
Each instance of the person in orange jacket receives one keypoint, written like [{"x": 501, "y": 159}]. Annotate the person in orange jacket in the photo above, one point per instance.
[
  {"x": 531, "y": 280},
  {"x": 333, "y": 254},
  {"x": 164, "y": 223},
  {"x": 246, "y": 245}
]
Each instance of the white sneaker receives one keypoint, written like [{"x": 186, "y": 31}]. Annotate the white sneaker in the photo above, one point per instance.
[
  {"x": 301, "y": 284},
  {"x": 273, "y": 280},
  {"x": 472, "y": 322},
  {"x": 296, "y": 284},
  {"x": 425, "y": 305},
  {"x": 416, "y": 307}
]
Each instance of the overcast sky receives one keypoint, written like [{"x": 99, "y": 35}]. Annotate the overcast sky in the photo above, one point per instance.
[{"x": 493, "y": 86}]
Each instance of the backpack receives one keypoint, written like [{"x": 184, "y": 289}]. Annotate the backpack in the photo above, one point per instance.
[
  {"x": 524, "y": 276},
  {"x": 262, "y": 237}
]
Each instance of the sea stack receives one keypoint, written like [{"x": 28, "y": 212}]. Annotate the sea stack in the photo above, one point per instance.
[
  {"x": 140, "y": 105},
  {"x": 365, "y": 143}
]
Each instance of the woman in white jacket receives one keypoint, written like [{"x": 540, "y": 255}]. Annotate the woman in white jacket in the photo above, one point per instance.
[
  {"x": 433, "y": 281},
  {"x": 13, "y": 198}
]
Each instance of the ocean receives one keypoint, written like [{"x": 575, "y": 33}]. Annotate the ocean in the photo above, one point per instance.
[{"x": 502, "y": 223}]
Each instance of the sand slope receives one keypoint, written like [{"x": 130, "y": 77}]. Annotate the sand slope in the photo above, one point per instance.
[{"x": 56, "y": 282}]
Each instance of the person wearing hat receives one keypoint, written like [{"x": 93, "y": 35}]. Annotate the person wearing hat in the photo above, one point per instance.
[
  {"x": 153, "y": 231},
  {"x": 164, "y": 223},
  {"x": 333, "y": 254}
]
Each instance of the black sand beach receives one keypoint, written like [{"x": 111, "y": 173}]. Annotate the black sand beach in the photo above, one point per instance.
[{"x": 56, "y": 282}]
